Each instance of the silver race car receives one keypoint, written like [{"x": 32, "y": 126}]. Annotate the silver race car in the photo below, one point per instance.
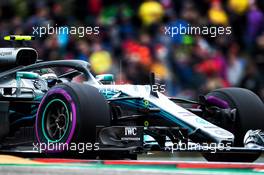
[{"x": 44, "y": 111}]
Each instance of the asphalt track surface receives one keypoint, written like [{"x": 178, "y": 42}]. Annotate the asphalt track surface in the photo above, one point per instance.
[{"x": 182, "y": 164}]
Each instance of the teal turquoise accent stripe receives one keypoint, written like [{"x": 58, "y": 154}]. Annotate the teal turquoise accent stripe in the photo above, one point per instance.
[{"x": 140, "y": 104}]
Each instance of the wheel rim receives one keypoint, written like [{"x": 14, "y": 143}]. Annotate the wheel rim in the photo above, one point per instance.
[{"x": 55, "y": 120}]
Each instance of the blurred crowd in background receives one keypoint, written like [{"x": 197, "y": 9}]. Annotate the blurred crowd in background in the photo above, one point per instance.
[{"x": 132, "y": 41}]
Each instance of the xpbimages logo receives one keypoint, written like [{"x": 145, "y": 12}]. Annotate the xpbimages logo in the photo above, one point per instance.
[
  {"x": 211, "y": 31},
  {"x": 210, "y": 147},
  {"x": 68, "y": 30},
  {"x": 75, "y": 147}
]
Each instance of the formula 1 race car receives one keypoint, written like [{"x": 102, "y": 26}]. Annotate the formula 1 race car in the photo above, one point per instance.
[{"x": 41, "y": 103}]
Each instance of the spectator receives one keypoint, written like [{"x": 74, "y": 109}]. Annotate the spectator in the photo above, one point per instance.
[{"x": 132, "y": 40}]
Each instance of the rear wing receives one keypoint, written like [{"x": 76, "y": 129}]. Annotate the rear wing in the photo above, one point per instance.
[
  {"x": 19, "y": 38},
  {"x": 17, "y": 56}
]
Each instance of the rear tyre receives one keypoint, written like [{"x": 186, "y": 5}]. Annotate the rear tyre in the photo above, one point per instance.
[
  {"x": 69, "y": 113},
  {"x": 249, "y": 115}
]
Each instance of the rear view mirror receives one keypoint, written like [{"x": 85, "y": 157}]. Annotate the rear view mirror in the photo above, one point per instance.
[{"x": 105, "y": 78}]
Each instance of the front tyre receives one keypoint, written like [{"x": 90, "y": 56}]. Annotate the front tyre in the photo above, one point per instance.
[{"x": 249, "y": 115}]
